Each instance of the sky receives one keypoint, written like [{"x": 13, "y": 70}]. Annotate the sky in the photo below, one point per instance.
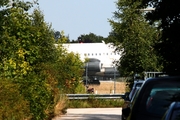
[{"x": 78, "y": 17}]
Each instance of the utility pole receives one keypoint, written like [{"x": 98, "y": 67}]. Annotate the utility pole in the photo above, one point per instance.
[
  {"x": 86, "y": 74},
  {"x": 114, "y": 79}
]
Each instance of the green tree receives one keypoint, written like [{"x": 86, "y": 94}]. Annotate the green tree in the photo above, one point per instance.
[
  {"x": 63, "y": 38},
  {"x": 26, "y": 43},
  {"x": 168, "y": 46},
  {"x": 90, "y": 38},
  {"x": 60, "y": 37},
  {"x": 30, "y": 60},
  {"x": 134, "y": 39},
  {"x": 70, "y": 70}
]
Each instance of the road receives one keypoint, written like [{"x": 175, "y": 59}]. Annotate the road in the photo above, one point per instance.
[{"x": 92, "y": 114}]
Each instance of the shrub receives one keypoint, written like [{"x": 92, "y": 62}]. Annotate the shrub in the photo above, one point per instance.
[{"x": 13, "y": 106}]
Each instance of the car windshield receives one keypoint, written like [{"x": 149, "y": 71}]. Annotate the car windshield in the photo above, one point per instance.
[
  {"x": 138, "y": 84},
  {"x": 161, "y": 96}
]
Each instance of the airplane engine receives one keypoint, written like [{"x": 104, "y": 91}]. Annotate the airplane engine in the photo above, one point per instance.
[
  {"x": 93, "y": 66},
  {"x": 110, "y": 71}
]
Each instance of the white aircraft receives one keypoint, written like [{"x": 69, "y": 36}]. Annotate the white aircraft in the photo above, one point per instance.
[{"x": 100, "y": 55}]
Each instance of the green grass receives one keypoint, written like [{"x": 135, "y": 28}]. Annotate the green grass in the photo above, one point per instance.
[{"x": 95, "y": 103}]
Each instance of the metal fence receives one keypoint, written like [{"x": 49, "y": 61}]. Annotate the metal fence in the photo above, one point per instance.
[{"x": 96, "y": 96}]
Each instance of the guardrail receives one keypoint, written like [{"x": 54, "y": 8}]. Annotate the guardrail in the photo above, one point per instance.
[{"x": 96, "y": 96}]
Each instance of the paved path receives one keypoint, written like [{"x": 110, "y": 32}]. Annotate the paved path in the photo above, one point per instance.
[{"x": 92, "y": 114}]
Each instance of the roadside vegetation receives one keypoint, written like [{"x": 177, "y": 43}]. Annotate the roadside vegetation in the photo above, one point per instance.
[
  {"x": 34, "y": 72},
  {"x": 95, "y": 103}
]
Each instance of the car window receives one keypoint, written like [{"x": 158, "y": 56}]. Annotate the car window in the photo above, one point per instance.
[
  {"x": 138, "y": 84},
  {"x": 161, "y": 96},
  {"x": 135, "y": 88}
]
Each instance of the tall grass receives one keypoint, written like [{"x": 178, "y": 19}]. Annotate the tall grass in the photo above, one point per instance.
[{"x": 61, "y": 105}]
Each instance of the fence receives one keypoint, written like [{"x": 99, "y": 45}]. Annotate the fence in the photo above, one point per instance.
[{"x": 96, "y": 96}]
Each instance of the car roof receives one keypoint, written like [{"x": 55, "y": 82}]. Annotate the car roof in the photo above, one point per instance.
[{"x": 164, "y": 78}]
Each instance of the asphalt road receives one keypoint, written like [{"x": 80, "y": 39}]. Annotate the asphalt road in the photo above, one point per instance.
[{"x": 92, "y": 114}]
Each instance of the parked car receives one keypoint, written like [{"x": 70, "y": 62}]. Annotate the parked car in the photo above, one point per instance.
[
  {"x": 173, "y": 112},
  {"x": 154, "y": 98},
  {"x": 136, "y": 86}
]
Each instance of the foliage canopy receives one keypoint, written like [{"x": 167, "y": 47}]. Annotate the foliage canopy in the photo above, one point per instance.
[
  {"x": 31, "y": 62},
  {"x": 134, "y": 39},
  {"x": 168, "y": 14}
]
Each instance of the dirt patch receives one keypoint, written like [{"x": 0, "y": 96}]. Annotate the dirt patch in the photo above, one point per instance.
[{"x": 107, "y": 87}]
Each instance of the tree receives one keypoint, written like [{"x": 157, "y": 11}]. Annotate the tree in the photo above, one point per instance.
[
  {"x": 30, "y": 60},
  {"x": 57, "y": 35},
  {"x": 26, "y": 43},
  {"x": 168, "y": 46},
  {"x": 60, "y": 37},
  {"x": 70, "y": 71},
  {"x": 134, "y": 39},
  {"x": 90, "y": 38}
]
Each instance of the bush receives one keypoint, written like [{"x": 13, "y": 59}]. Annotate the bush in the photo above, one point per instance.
[{"x": 13, "y": 106}]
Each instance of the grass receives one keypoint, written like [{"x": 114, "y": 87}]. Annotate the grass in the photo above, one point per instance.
[{"x": 107, "y": 87}]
